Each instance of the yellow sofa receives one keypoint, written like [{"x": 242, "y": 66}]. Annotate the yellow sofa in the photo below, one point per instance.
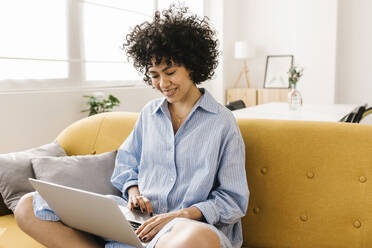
[{"x": 309, "y": 181}]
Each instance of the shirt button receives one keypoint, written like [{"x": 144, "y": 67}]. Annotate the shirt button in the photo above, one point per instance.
[{"x": 172, "y": 179}]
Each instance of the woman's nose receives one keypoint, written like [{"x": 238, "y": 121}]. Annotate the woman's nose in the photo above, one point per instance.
[{"x": 164, "y": 82}]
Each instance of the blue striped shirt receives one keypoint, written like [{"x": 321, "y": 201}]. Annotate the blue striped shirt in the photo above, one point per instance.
[{"x": 202, "y": 165}]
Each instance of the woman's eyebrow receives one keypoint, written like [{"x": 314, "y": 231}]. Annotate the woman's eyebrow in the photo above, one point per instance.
[{"x": 166, "y": 68}]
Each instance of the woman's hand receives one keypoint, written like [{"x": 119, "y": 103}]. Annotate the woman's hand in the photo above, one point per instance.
[
  {"x": 151, "y": 227},
  {"x": 138, "y": 201}
]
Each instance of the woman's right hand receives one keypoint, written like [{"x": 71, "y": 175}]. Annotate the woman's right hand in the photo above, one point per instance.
[{"x": 136, "y": 200}]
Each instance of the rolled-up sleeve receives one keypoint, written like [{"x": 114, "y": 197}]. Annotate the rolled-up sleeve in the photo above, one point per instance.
[
  {"x": 127, "y": 161},
  {"x": 228, "y": 201}
]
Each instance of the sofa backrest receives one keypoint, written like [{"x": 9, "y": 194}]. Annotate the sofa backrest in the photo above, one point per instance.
[
  {"x": 98, "y": 133},
  {"x": 308, "y": 181},
  {"x": 310, "y": 184}
]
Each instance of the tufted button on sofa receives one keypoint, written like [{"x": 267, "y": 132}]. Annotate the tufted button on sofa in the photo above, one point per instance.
[{"x": 312, "y": 188}]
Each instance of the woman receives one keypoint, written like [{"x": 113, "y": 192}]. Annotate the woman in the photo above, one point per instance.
[{"x": 184, "y": 160}]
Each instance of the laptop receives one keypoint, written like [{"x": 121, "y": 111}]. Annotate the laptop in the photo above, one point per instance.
[{"x": 93, "y": 213}]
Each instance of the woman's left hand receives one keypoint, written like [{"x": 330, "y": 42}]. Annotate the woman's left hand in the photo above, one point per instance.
[{"x": 152, "y": 226}]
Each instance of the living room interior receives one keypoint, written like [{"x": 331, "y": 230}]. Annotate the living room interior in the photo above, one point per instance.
[{"x": 331, "y": 40}]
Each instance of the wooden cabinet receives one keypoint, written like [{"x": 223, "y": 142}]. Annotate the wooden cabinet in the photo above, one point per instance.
[
  {"x": 248, "y": 95},
  {"x": 252, "y": 96},
  {"x": 272, "y": 95}
]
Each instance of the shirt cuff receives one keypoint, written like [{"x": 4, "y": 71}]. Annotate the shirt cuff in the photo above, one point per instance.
[
  {"x": 126, "y": 186},
  {"x": 209, "y": 211}
]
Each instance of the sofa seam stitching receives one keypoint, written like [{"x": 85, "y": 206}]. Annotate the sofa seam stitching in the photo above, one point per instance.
[{"x": 99, "y": 130}]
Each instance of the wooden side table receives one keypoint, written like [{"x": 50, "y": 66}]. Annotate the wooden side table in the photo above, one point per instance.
[
  {"x": 272, "y": 95},
  {"x": 252, "y": 96},
  {"x": 248, "y": 95}
]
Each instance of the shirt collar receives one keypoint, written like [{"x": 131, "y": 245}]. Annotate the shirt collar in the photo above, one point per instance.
[
  {"x": 163, "y": 104},
  {"x": 206, "y": 102}
]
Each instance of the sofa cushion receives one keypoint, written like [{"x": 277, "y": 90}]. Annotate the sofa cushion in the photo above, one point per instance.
[
  {"x": 15, "y": 169},
  {"x": 86, "y": 172},
  {"x": 12, "y": 236}
]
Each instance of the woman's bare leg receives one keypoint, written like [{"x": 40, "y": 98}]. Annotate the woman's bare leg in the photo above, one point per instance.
[{"x": 189, "y": 234}]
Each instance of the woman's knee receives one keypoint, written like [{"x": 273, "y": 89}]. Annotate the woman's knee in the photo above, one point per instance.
[
  {"x": 190, "y": 234},
  {"x": 24, "y": 211}
]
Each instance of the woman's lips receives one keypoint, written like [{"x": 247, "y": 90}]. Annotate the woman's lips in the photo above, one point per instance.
[{"x": 170, "y": 93}]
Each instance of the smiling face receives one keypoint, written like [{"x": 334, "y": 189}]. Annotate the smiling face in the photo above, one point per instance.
[{"x": 173, "y": 81}]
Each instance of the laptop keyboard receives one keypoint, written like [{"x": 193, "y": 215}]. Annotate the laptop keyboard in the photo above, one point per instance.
[{"x": 134, "y": 225}]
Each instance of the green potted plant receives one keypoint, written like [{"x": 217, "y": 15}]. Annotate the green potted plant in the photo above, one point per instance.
[{"x": 97, "y": 104}]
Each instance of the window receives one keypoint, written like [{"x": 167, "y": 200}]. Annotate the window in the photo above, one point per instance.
[
  {"x": 105, "y": 23},
  {"x": 33, "y": 43},
  {"x": 53, "y": 43}
]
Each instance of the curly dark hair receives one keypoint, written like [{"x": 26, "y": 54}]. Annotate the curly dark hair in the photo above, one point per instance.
[{"x": 177, "y": 36}]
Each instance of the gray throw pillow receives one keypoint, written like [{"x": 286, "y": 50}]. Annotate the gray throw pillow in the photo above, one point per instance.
[
  {"x": 89, "y": 172},
  {"x": 15, "y": 169}
]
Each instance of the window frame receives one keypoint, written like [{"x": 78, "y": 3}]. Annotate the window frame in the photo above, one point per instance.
[{"x": 76, "y": 77}]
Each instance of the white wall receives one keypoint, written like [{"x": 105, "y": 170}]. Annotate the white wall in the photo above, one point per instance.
[
  {"x": 215, "y": 12},
  {"x": 223, "y": 19},
  {"x": 306, "y": 29},
  {"x": 231, "y": 29},
  {"x": 354, "y": 52},
  {"x": 30, "y": 119}
]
